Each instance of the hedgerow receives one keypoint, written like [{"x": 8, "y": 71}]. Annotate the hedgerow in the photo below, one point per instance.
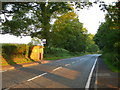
[{"x": 10, "y": 49}]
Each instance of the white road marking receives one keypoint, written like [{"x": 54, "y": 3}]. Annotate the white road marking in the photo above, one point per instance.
[
  {"x": 67, "y": 64},
  {"x": 90, "y": 75},
  {"x": 73, "y": 62},
  {"x": 56, "y": 68},
  {"x": 3, "y": 71},
  {"x": 37, "y": 76}
]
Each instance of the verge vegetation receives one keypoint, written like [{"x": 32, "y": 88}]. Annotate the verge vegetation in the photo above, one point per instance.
[
  {"x": 108, "y": 37},
  {"x": 65, "y": 38},
  {"x": 15, "y": 54}
]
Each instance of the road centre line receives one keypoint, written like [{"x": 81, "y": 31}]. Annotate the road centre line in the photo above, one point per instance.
[
  {"x": 90, "y": 75},
  {"x": 73, "y": 62},
  {"x": 3, "y": 71},
  {"x": 67, "y": 64},
  {"x": 56, "y": 68},
  {"x": 37, "y": 76}
]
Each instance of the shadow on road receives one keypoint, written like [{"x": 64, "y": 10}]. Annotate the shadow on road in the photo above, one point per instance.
[{"x": 10, "y": 61}]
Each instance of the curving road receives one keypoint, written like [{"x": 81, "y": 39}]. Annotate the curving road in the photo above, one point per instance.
[{"x": 65, "y": 73}]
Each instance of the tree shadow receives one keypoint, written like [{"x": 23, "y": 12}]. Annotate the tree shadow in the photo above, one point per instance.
[
  {"x": 8, "y": 56},
  {"x": 10, "y": 61}
]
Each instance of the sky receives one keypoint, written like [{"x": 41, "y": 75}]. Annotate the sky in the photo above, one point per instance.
[{"x": 90, "y": 18}]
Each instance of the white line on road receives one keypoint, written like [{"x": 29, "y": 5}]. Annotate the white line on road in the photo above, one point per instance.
[
  {"x": 67, "y": 64},
  {"x": 56, "y": 68},
  {"x": 90, "y": 75},
  {"x": 3, "y": 71},
  {"x": 73, "y": 62},
  {"x": 37, "y": 76}
]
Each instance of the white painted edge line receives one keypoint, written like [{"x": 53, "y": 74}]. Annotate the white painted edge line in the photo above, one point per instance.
[
  {"x": 67, "y": 64},
  {"x": 90, "y": 75},
  {"x": 36, "y": 77},
  {"x": 56, "y": 68}
]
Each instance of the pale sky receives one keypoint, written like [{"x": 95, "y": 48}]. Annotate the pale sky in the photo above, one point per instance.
[{"x": 90, "y": 18}]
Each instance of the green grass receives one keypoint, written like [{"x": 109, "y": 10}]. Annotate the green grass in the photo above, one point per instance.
[
  {"x": 109, "y": 58},
  {"x": 15, "y": 59},
  {"x": 111, "y": 66},
  {"x": 52, "y": 57},
  {"x": 57, "y": 58}
]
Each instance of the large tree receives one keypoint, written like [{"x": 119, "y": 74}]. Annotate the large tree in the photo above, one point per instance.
[
  {"x": 108, "y": 35},
  {"x": 68, "y": 33},
  {"x": 32, "y": 19},
  {"x": 40, "y": 14}
]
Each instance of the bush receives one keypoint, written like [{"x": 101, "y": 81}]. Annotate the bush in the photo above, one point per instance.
[
  {"x": 55, "y": 51},
  {"x": 10, "y": 49},
  {"x": 15, "y": 54},
  {"x": 112, "y": 57}
]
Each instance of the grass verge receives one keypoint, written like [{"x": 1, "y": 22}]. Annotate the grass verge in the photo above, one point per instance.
[
  {"x": 15, "y": 59},
  {"x": 111, "y": 66},
  {"x": 109, "y": 59},
  {"x": 52, "y": 57}
]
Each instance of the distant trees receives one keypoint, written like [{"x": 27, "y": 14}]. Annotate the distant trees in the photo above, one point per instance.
[{"x": 90, "y": 44}]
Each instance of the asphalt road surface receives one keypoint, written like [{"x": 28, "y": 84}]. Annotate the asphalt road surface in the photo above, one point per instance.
[{"x": 65, "y": 73}]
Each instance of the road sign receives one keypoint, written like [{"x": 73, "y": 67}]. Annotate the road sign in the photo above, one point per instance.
[{"x": 43, "y": 41}]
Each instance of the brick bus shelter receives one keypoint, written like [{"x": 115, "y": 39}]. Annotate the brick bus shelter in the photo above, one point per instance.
[
  {"x": 38, "y": 49},
  {"x": 37, "y": 53}
]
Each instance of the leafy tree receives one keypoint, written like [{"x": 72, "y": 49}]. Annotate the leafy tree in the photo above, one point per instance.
[
  {"x": 68, "y": 33},
  {"x": 107, "y": 37},
  {"x": 90, "y": 44},
  {"x": 32, "y": 18}
]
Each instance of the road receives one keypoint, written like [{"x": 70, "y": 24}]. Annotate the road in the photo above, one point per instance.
[{"x": 65, "y": 73}]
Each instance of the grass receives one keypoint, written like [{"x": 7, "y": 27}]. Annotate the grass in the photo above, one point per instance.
[
  {"x": 108, "y": 59},
  {"x": 111, "y": 66},
  {"x": 52, "y": 57},
  {"x": 57, "y": 58},
  {"x": 15, "y": 59}
]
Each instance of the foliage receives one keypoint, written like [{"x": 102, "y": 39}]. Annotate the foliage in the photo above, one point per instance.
[
  {"x": 111, "y": 61},
  {"x": 51, "y": 51},
  {"x": 10, "y": 49},
  {"x": 68, "y": 33},
  {"x": 90, "y": 44},
  {"x": 32, "y": 18},
  {"x": 107, "y": 37},
  {"x": 15, "y": 54}
]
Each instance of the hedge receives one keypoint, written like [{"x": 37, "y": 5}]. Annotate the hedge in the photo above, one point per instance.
[
  {"x": 55, "y": 51},
  {"x": 15, "y": 53},
  {"x": 10, "y": 49}
]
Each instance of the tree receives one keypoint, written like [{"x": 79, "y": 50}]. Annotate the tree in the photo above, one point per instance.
[
  {"x": 68, "y": 33},
  {"x": 32, "y": 18},
  {"x": 90, "y": 44},
  {"x": 107, "y": 37},
  {"x": 36, "y": 23}
]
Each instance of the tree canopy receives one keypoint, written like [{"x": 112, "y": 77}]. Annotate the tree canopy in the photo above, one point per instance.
[
  {"x": 108, "y": 35},
  {"x": 32, "y": 18},
  {"x": 68, "y": 33}
]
